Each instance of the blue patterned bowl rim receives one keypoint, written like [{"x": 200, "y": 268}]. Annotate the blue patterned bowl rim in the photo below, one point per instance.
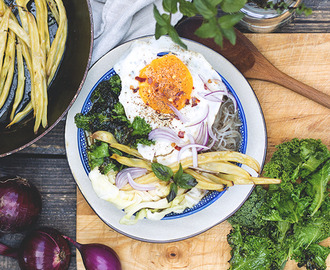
[{"x": 211, "y": 196}]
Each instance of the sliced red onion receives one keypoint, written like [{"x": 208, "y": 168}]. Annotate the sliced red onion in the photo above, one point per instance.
[
  {"x": 122, "y": 178},
  {"x": 201, "y": 119},
  {"x": 210, "y": 97},
  {"x": 234, "y": 101},
  {"x": 203, "y": 135},
  {"x": 211, "y": 133},
  {"x": 164, "y": 133},
  {"x": 204, "y": 82},
  {"x": 138, "y": 186},
  {"x": 192, "y": 145},
  {"x": 213, "y": 96},
  {"x": 183, "y": 118},
  {"x": 207, "y": 84},
  {"x": 193, "y": 151}
]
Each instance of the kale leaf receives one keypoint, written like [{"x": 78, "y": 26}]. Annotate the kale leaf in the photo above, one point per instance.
[
  {"x": 289, "y": 220},
  {"x": 108, "y": 114}
]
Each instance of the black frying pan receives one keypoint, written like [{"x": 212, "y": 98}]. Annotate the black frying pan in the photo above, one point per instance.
[{"x": 66, "y": 85}]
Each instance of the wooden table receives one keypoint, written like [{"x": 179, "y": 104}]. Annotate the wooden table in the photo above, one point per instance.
[{"x": 45, "y": 164}]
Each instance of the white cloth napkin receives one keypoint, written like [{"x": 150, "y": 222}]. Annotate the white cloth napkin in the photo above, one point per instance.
[{"x": 117, "y": 21}]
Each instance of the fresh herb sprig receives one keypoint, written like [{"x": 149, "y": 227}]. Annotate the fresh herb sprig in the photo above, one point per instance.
[
  {"x": 179, "y": 179},
  {"x": 213, "y": 26}
]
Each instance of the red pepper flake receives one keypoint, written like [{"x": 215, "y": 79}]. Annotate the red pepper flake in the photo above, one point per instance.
[
  {"x": 177, "y": 148},
  {"x": 194, "y": 101},
  {"x": 180, "y": 93},
  {"x": 181, "y": 134},
  {"x": 176, "y": 100},
  {"x": 134, "y": 89},
  {"x": 140, "y": 79}
]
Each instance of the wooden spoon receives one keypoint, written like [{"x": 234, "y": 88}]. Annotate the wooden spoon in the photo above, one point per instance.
[{"x": 250, "y": 62}]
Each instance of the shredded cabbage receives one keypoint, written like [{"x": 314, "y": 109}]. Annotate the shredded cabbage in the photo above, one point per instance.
[{"x": 150, "y": 204}]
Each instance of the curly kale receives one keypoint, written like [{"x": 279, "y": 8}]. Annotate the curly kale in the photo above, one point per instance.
[
  {"x": 249, "y": 214},
  {"x": 295, "y": 159},
  {"x": 108, "y": 114},
  {"x": 289, "y": 220},
  {"x": 317, "y": 185}
]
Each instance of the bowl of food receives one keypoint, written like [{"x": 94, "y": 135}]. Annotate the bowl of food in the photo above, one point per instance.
[
  {"x": 32, "y": 103},
  {"x": 152, "y": 125}
]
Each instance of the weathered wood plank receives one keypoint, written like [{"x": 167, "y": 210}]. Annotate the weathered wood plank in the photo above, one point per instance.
[{"x": 51, "y": 144}]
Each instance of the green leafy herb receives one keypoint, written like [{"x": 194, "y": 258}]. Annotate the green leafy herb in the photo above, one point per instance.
[
  {"x": 97, "y": 153},
  {"x": 108, "y": 114},
  {"x": 173, "y": 192},
  {"x": 184, "y": 180},
  {"x": 161, "y": 171},
  {"x": 140, "y": 127}
]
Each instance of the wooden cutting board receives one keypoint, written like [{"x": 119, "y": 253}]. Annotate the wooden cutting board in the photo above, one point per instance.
[{"x": 305, "y": 57}]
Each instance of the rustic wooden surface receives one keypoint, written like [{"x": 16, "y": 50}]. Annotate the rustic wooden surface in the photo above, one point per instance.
[
  {"x": 45, "y": 164},
  {"x": 287, "y": 115}
]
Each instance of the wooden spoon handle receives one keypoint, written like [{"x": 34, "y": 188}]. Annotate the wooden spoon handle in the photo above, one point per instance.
[{"x": 305, "y": 90}]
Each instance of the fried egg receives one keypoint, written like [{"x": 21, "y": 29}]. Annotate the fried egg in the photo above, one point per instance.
[{"x": 158, "y": 75}]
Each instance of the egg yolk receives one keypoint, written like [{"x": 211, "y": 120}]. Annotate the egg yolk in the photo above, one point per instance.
[{"x": 166, "y": 80}]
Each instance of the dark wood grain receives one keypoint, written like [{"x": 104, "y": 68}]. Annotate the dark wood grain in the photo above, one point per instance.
[{"x": 45, "y": 164}]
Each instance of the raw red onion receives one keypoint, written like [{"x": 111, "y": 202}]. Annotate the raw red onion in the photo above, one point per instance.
[
  {"x": 233, "y": 100},
  {"x": 201, "y": 119},
  {"x": 138, "y": 186},
  {"x": 207, "y": 84},
  {"x": 184, "y": 148},
  {"x": 203, "y": 135},
  {"x": 97, "y": 256},
  {"x": 193, "y": 151},
  {"x": 178, "y": 114},
  {"x": 20, "y": 204},
  {"x": 164, "y": 133},
  {"x": 122, "y": 177},
  {"x": 43, "y": 249},
  {"x": 213, "y": 96}
]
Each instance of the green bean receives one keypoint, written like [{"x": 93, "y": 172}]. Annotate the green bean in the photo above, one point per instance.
[
  {"x": 20, "y": 80},
  {"x": 19, "y": 116},
  {"x": 3, "y": 35},
  {"x": 37, "y": 96},
  {"x": 57, "y": 47},
  {"x": 8, "y": 73},
  {"x": 54, "y": 10},
  {"x": 19, "y": 31}
]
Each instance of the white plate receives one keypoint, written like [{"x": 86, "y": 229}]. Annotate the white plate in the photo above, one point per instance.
[{"x": 190, "y": 225}]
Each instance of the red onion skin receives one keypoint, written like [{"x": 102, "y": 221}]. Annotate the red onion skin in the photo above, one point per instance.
[
  {"x": 44, "y": 249},
  {"x": 97, "y": 256},
  {"x": 20, "y": 204}
]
